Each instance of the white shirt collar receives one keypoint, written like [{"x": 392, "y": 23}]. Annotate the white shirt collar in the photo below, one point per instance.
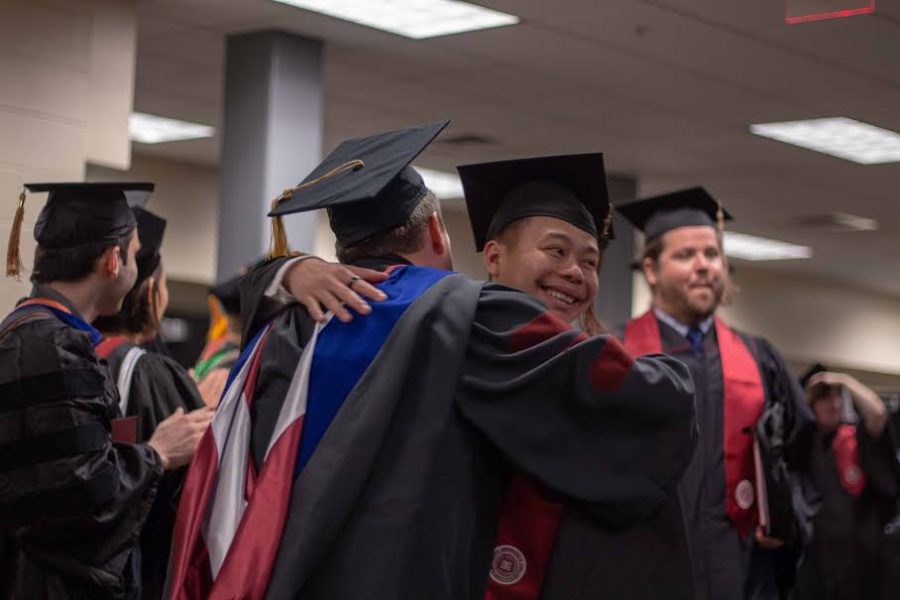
[{"x": 679, "y": 326}]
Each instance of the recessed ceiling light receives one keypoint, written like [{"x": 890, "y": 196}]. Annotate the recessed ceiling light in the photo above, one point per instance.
[
  {"x": 834, "y": 222},
  {"x": 416, "y": 19},
  {"x": 153, "y": 129},
  {"x": 837, "y": 136},
  {"x": 751, "y": 247},
  {"x": 444, "y": 185}
]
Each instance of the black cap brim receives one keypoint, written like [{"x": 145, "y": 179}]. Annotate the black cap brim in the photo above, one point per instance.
[
  {"x": 384, "y": 156},
  {"x": 567, "y": 187},
  {"x": 658, "y": 215}
]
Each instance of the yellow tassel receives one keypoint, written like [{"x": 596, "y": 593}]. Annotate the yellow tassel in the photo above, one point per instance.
[
  {"x": 13, "y": 258},
  {"x": 279, "y": 246},
  {"x": 607, "y": 221},
  {"x": 720, "y": 218}
]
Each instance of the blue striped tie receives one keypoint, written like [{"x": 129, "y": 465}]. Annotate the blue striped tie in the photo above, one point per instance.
[{"x": 695, "y": 336}]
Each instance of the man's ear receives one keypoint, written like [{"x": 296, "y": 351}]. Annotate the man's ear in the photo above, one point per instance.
[
  {"x": 648, "y": 266},
  {"x": 110, "y": 262},
  {"x": 436, "y": 235},
  {"x": 151, "y": 286},
  {"x": 492, "y": 256}
]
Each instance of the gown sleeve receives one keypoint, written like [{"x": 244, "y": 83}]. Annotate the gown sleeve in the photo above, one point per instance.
[
  {"x": 579, "y": 414},
  {"x": 878, "y": 459},
  {"x": 65, "y": 487},
  {"x": 787, "y": 433},
  {"x": 159, "y": 386},
  {"x": 257, "y": 308}
]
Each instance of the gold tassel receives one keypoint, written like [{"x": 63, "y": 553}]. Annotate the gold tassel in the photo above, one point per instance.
[
  {"x": 279, "y": 246},
  {"x": 13, "y": 258},
  {"x": 607, "y": 221},
  {"x": 720, "y": 218}
]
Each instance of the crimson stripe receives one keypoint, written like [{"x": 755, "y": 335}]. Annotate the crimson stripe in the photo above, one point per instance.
[
  {"x": 611, "y": 367},
  {"x": 540, "y": 329},
  {"x": 251, "y": 557},
  {"x": 188, "y": 548}
]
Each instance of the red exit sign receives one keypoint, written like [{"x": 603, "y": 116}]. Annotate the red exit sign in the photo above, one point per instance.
[{"x": 805, "y": 11}]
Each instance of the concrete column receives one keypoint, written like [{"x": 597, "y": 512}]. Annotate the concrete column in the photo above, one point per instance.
[
  {"x": 272, "y": 139},
  {"x": 613, "y": 303}
]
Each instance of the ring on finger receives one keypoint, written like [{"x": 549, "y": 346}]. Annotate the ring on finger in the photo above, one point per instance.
[{"x": 353, "y": 280}]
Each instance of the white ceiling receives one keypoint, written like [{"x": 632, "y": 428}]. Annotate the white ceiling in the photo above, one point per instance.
[{"x": 665, "y": 88}]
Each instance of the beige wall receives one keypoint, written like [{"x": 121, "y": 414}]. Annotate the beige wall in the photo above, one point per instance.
[
  {"x": 47, "y": 72},
  {"x": 187, "y": 196}
]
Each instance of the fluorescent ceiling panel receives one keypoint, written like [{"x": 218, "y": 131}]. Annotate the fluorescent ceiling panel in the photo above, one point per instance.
[
  {"x": 837, "y": 136},
  {"x": 444, "y": 185},
  {"x": 416, "y": 19},
  {"x": 153, "y": 129},
  {"x": 751, "y": 247}
]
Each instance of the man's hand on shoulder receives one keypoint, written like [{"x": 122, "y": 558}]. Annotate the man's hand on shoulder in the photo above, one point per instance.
[{"x": 323, "y": 286}]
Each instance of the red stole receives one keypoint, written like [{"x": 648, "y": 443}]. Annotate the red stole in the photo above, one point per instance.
[
  {"x": 109, "y": 345},
  {"x": 529, "y": 518},
  {"x": 845, "y": 447},
  {"x": 744, "y": 397}
]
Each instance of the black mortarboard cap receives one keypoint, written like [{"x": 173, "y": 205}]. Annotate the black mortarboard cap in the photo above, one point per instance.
[
  {"x": 151, "y": 229},
  {"x": 568, "y": 187},
  {"x": 82, "y": 213},
  {"x": 656, "y": 216},
  {"x": 366, "y": 183},
  {"x": 228, "y": 293},
  {"x": 77, "y": 214}
]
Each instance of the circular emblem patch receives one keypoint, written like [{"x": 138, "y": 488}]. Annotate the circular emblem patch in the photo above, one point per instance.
[
  {"x": 508, "y": 566},
  {"x": 852, "y": 475},
  {"x": 743, "y": 494}
]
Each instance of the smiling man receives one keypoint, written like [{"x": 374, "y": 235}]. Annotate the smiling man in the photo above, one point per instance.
[
  {"x": 741, "y": 547},
  {"x": 543, "y": 224}
]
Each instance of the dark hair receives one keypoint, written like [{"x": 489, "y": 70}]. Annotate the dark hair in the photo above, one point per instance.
[
  {"x": 653, "y": 249},
  {"x": 73, "y": 264},
  {"x": 138, "y": 313},
  {"x": 403, "y": 239}
]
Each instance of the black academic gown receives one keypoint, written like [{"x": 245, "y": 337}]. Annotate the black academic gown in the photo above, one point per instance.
[
  {"x": 72, "y": 502},
  {"x": 159, "y": 386},
  {"x": 725, "y": 566},
  {"x": 647, "y": 560},
  {"x": 847, "y": 551},
  {"x": 402, "y": 496}
]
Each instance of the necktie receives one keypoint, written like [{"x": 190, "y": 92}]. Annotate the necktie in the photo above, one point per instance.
[{"x": 695, "y": 336}]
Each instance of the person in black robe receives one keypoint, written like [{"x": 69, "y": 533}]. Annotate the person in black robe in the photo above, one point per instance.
[
  {"x": 151, "y": 386},
  {"x": 748, "y": 514},
  {"x": 857, "y": 465},
  {"x": 543, "y": 224},
  {"x": 400, "y": 496},
  {"x": 73, "y": 495}
]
